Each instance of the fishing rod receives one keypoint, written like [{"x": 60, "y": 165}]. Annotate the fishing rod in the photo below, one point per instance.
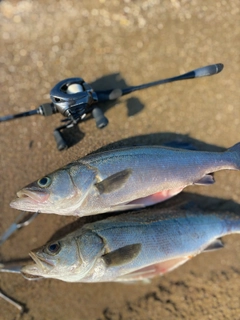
[{"x": 74, "y": 99}]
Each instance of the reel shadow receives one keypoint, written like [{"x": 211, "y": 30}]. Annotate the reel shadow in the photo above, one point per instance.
[
  {"x": 72, "y": 136},
  {"x": 114, "y": 81}
]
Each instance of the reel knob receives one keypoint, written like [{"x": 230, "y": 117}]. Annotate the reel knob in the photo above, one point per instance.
[
  {"x": 61, "y": 144},
  {"x": 101, "y": 120}
]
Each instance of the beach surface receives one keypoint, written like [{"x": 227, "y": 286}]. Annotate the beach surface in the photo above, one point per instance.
[{"x": 113, "y": 44}]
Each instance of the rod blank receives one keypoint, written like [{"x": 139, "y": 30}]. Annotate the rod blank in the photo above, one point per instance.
[
  {"x": 197, "y": 73},
  {"x": 19, "y": 115}
]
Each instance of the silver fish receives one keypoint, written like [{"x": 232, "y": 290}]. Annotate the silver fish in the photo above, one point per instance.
[
  {"x": 123, "y": 179},
  {"x": 132, "y": 246}
]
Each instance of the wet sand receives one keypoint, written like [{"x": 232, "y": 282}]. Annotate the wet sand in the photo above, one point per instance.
[{"x": 119, "y": 43}]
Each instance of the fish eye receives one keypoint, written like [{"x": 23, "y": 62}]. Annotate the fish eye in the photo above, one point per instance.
[
  {"x": 53, "y": 248},
  {"x": 44, "y": 182}
]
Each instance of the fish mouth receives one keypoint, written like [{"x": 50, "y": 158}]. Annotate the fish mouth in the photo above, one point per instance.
[
  {"x": 37, "y": 196},
  {"x": 41, "y": 266},
  {"x": 34, "y": 269},
  {"x": 42, "y": 262},
  {"x": 29, "y": 200}
]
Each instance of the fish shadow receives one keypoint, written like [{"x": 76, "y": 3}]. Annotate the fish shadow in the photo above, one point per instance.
[
  {"x": 184, "y": 200},
  {"x": 168, "y": 139}
]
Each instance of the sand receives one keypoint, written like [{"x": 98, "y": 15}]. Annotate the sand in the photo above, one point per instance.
[{"x": 112, "y": 44}]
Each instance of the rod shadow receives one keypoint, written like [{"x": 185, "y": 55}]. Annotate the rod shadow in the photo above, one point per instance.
[{"x": 115, "y": 81}]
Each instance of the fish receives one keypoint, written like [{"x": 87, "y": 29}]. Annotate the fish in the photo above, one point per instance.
[
  {"x": 133, "y": 246},
  {"x": 123, "y": 179}
]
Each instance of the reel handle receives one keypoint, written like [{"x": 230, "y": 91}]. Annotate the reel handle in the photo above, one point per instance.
[
  {"x": 101, "y": 120},
  {"x": 61, "y": 144}
]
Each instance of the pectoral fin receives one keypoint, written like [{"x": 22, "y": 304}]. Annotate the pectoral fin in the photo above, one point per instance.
[
  {"x": 113, "y": 182},
  {"x": 153, "y": 270},
  {"x": 215, "y": 245},
  {"x": 122, "y": 255},
  {"x": 205, "y": 180}
]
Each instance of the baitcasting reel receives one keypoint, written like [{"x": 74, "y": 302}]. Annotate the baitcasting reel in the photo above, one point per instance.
[{"x": 74, "y": 99}]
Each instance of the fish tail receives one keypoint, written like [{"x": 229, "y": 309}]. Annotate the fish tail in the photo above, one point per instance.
[{"x": 234, "y": 151}]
